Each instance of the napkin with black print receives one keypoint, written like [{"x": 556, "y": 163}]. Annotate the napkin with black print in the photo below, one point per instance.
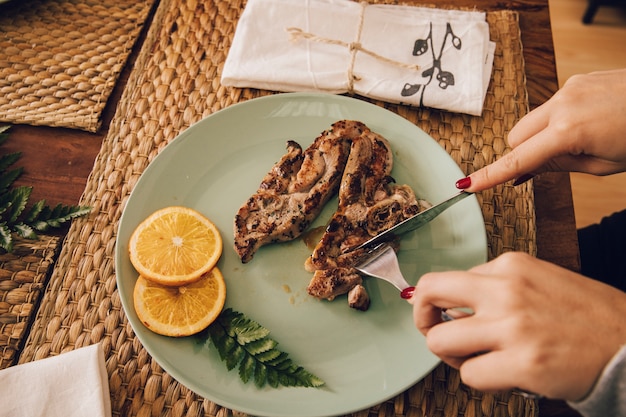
[{"x": 418, "y": 56}]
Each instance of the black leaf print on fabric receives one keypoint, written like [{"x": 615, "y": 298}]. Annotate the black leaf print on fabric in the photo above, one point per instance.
[
  {"x": 445, "y": 79},
  {"x": 421, "y": 47}
]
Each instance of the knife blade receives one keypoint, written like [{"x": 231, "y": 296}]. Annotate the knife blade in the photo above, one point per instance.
[{"x": 417, "y": 221}]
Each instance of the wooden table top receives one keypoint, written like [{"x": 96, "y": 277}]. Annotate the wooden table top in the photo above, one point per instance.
[{"x": 57, "y": 161}]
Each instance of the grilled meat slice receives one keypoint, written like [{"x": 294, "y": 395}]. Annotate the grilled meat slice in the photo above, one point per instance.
[
  {"x": 369, "y": 203},
  {"x": 293, "y": 192},
  {"x": 328, "y": 283},
  {"x": 258, "y": 220},
  {"x": 369, "y": 162},
  {"x": 357, "y": 162}
]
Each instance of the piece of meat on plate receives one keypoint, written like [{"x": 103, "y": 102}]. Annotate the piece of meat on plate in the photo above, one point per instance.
[
  {"x": 294, "y": 191},
  {"x": 369, "y": 203}
]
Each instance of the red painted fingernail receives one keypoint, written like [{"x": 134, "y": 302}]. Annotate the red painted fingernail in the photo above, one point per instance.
[
  {"x": 407, "y": 292},
  {"x": 522, "y": 179},
  {"x": 463, "y": 183}
]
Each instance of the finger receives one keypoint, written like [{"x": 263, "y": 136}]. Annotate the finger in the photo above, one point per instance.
[
  {"x": 468, "y": 336},
  {"x": 439, "y": 291},
  {"x": 530, "y": 156},
  {"x": 455, "y": 362},
  {"x": 529, "y": 125},
  {"x": 494, "y": 371},
  {"x": 425, "y": 316},
  {"x": 443, "y": 290}
]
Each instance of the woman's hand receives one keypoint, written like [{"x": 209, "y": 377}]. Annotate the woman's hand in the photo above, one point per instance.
[
  {"x": 536, "y": 326},
  {"x": 581, "y": 128}
]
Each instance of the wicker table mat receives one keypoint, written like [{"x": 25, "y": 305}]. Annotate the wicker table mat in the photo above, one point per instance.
[
  {"x": 23, "y": 275},
  {"x": 59, "y": 60},
  {"x": 175, "y": 83}
]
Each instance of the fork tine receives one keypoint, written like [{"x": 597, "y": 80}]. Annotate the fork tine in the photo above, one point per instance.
[{"x": 383, "y": 264}]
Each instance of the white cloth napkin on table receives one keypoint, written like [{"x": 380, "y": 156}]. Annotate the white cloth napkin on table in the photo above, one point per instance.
[
  {"x": 401, "y": 54},
  {"x": 72, "y": 384}
]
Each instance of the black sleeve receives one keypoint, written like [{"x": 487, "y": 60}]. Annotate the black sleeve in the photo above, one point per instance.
[{"x": 603, "y": 250}]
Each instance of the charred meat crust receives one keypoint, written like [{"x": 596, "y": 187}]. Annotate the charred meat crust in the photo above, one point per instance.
[
  {"x": 292, "y": 193},
  {"x": 369, "y": 203},
  {"x": 348, "y": 159},
  {"x": 329, "y": 283}
]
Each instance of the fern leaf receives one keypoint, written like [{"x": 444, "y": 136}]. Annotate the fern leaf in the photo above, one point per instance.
[
  {"x": 18, "y": 198},
  {"x": 8, "y": 178},
  {"x": 35, "y": 211},
  {"x": 246, "y": 368},
  {"x": 9, "y": 159},
  {"x": 260, "y": 375},
  {"x": 42, "y": 218},
  {"x": 222, "y": 342},
  {"x": 281, "y": 362},
  {"x": 5, "y": 204},
  {"x": 77, "y": 211},
  {"x": 269, "y": 357},
  {"x": 6, "y": 160},
  {"x": 235, "y": 357},
  {"x": 261, "y": 346},
  {"x": 244, "y": 342},
  {"x": 272, "y": 378},
  {"x": 13, "y": 202},
  {"x": 6, "y": 240},
  {"x": 244, "y": 329},
  {"x": 25, "y": 231}
]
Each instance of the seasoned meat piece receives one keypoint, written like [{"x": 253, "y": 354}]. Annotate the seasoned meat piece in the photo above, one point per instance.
[
  {"x": 348, "y": 158},
  {"x": 369, "y": 162},
  {"x": 293, "y": 192},
  {"x": 369, "y": 203},
  {"x": 285, "y": 171},
  {"x": 328, "y": 283},
  {"x": 358, "y": 298},
  {"x": 394, "y": 206}
]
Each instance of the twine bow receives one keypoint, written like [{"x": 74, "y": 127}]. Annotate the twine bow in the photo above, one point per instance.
[{"x": 354, "y": 47}]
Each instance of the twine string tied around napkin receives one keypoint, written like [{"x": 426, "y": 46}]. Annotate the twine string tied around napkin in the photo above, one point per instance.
[{"x": 354, "y": 47}]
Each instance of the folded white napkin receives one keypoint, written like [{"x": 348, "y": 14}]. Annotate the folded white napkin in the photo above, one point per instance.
[
  {"x": 71, "y": 384},
  {"x": 401, "y": 54}
]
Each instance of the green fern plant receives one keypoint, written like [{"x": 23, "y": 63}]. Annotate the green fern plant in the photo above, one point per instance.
[
  {"x": 245, "y": 344},
  {"x": 14, "y": 218}
]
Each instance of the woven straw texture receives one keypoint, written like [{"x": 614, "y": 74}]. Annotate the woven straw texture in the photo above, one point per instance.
[
  {"x": 59, "y": 60},
  {"x": 175, "y": 83},
  {"x": 23, "y": 275}
]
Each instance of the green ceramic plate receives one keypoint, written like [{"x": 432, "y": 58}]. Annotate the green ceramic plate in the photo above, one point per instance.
[{"x": 364, "y": 358}]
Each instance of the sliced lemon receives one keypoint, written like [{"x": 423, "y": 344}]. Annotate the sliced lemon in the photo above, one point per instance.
[
  {"x": 175, "y": 246},
  {"x": 180, "y": 311}
]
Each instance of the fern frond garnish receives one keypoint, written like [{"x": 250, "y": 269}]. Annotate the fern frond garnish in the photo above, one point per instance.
[
  {"x": 245, "y": 344},
  {"x": 42, "y": 217},
  {"x": 14, "y": 219}
]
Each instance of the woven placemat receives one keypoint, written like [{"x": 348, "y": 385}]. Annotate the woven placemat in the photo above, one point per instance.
[
  {"x": 175, "y": 83},
  {"x": 59, "y": 60},
  {"x": 23, "y": 275}
]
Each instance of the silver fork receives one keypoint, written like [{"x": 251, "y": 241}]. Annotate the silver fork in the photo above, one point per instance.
[{"x": 382, "y": 263}]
